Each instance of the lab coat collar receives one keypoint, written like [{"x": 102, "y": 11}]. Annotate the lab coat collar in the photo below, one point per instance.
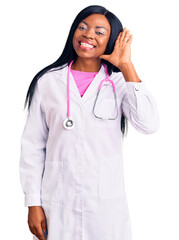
[{"x": 90, "y": 91}]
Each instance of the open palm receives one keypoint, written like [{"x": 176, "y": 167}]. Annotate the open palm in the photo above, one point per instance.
[{"x": 122, "y": 50}]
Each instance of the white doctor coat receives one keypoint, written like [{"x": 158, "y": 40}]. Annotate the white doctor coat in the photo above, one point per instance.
[{"x": 77, "y": 175}]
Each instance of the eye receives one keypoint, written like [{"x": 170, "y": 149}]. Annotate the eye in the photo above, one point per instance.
[
  {"x": 82, "y": 28},
  {"x": 99, "y": 33}
]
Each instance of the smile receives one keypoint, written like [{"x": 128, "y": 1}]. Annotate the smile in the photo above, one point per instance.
[{"x": 84, "y": 45}]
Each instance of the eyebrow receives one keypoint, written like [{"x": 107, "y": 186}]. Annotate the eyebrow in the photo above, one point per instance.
[{"x": 96, "y": 26}]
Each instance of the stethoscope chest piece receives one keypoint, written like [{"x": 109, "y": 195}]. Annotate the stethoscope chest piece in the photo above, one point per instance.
[{"x": 68, "y": 123}]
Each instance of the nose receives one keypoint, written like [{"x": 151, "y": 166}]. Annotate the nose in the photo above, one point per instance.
[{"x": 89, "y": 34}]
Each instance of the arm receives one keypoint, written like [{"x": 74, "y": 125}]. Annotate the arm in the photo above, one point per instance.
[
  {"x": 138, "y": 105},
  {"x": 140, "y": 108},
  {"x": 33, "y": 149},
  {"x": 129, "y": 72}
]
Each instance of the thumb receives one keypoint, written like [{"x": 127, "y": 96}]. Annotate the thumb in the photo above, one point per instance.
[{"x": 105, "y": 57}]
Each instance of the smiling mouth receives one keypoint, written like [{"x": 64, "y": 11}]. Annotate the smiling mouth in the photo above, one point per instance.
[{"x": 84, "y": 45}]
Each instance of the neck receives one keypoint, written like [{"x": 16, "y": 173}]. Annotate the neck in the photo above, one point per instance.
[{"x": 86, "y": 65}]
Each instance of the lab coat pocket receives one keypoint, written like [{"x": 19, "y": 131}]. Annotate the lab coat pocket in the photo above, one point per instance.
[
  {"x": 70, "y": 182},
  {"x": 106, "y": 108},
  {"x": 110, "y": 178},
  {"x": 52, "y": 181}
]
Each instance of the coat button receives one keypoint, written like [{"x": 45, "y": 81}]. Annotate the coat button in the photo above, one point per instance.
[{"x": 137, "y": 88}]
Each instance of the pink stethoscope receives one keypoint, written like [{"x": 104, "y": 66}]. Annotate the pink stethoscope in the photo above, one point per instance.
[{"x": 68, "y": 123}]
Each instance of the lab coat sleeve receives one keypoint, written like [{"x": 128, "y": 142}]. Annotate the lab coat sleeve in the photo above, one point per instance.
[
  {"x": 33, "y": 149},
  {"x": 140, "y": 108}
]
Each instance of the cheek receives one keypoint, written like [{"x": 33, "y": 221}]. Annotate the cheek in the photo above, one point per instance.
[
  {"x": 75, "y": 36},
  {"x": 103, "y": 43}
]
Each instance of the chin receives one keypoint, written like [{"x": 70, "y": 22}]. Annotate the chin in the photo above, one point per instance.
[{"x": 87, "y": 55}]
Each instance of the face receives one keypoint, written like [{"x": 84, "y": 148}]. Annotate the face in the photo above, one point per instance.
[{"x": 91, "y": 36}]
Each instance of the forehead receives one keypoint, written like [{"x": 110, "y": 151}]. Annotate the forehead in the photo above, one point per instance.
[{"x": 97, "y": 20}]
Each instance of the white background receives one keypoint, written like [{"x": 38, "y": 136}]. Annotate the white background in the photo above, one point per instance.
[{"x": 33, "y": 35}]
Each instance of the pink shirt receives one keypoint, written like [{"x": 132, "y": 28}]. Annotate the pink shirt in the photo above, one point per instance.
[{"x": 83, "y": 79}]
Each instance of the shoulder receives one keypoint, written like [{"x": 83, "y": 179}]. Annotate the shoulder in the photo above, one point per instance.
[
  {"x": 117, "y": 78},
  {"x": 52, "y": 75}
]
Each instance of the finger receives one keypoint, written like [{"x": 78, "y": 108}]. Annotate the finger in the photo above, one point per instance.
[
  {"x": 119, "y": 36},
  {"x": 124, "y": 29},
  {"x": 130, "y": 39},
  {"x": 117, "y": 43},
  {"x": 126, "y": 37},
  {"x": 39, "y": 232},
  {"x": 32, "y": 229},
  {"x": 123, "y": 34}
]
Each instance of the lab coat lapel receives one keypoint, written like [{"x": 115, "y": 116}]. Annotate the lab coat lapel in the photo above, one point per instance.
[{"x": 90, "y": 91}]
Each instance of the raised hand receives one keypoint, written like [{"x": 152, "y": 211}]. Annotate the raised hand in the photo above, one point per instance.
[{"x": 122, "y": 50}]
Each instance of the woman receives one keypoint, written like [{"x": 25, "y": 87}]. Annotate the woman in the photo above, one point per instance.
[{"x": 71, "y": 167}]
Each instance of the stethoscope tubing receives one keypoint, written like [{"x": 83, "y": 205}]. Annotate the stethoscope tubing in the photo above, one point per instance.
[
  {"x": 68, "y": 89},
  {"x": 69, "y": 123}
]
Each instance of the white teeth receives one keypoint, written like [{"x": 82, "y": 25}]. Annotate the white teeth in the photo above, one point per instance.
[{"x": 86, "y": 45}]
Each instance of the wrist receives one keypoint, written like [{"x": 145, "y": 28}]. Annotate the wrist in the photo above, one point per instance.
[
  {"x": 129, "y": 72},
  {"x": 34, "y": 207},
  {"x": 126, "y": 66}
]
